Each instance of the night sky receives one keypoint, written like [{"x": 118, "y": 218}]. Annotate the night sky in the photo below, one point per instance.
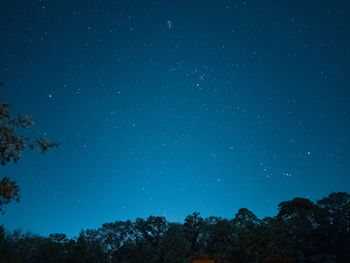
[{"x": 169, "y": 107}]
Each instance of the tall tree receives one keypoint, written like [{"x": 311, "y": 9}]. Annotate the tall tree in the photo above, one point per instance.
[
  {"x": 193, "y": 227},
  {"x": 336, "y": 227},
  {"x": 299, "y": 217},
  {"x": 114, "y": 236},
  {"x": 150, "y": 237},
  {"x": 246, "y": 224},
  {"x": 174, "y": 244},
  {"x": 220, "y": 238}
]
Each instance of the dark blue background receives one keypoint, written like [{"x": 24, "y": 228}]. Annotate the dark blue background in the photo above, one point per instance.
[{"x": 171, "y": 107}]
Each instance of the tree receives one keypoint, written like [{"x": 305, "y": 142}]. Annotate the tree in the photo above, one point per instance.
[
  {"x": 335, "y": 229},
  {"x": 300, "y": 218},
  {"x": 9, "y": 191},
  {"x": 174, "y": 244},
  {"x": 114, "y": 236},
  {"x": 246, "y": 225},
  {"x": 88, "y": 248},
  {"x": 193, "y": 227},
  {"x": 272, "y": 242},
  {"x": 12, "y": 144},
  {"x": 220, "y": 238},
  {"x": 150, "y": 237}
]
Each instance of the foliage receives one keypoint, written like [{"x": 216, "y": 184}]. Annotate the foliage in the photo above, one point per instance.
[
  {"x": 302, "y": 232},
  {"x": 12, "y": 144},
  {"x": 8, "y": 192}
]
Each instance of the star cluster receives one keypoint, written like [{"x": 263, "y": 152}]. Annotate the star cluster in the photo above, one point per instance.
[{"x": 170, "y": 107}]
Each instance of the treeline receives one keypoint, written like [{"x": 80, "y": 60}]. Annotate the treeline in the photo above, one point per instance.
[{"x": 302, "y": 231}]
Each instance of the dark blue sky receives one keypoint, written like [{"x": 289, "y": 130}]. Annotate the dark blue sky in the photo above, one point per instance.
[{"x": 171, "y": 107}]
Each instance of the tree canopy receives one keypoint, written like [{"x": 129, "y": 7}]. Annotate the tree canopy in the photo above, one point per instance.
[{"x": 302, "y": 231}]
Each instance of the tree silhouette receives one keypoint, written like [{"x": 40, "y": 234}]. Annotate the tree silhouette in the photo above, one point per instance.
[
  {"x": 192, "y": 232},
  {"x": 303, "y": 231},
  {"x": 12, "y": 144},
  {"x": 9, "y": 191}
]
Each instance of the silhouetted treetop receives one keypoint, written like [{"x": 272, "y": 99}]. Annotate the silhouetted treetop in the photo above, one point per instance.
[
  {"x": 12, "y": 144},
  {"x": 302, "y": 232}
]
